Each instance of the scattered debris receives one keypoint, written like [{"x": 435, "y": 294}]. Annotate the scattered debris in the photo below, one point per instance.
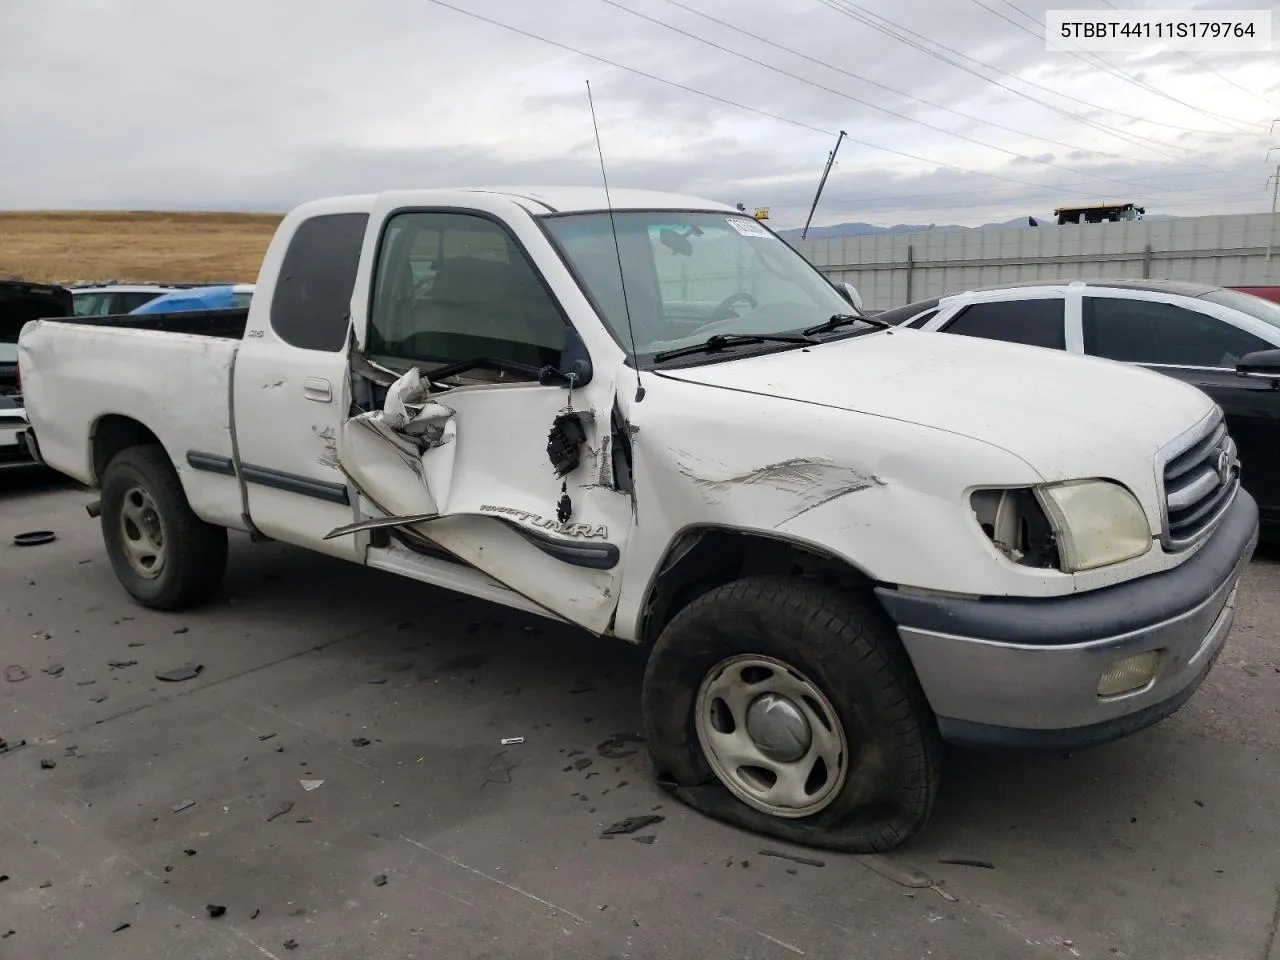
[
  {"x": 177, "y": 675},
  {"x": 619, "y": 745},
  {"x": 42, "y": 635},
  {"x": 7, "y": 934},
  {"x": 291, "y": 944},
  {"x": 47, "y": 764},
  {"x": 944, "y": 894},
  {"x": 184, "y": 805},
  {"x": 303, "y": 820},
  {"x": 266, "y": 736},
  {"x": 215, "y": 910},
  {"x": 309, "y": 785},
  {"x": 900, "y": 872},
  {"x": 189, "y": 852},
  {"x": 359, "y": 742},
  {"x": 85, "y": 683},
  {"x": 121, "y": 664},
  {"x": 123, "y": 926},
  {"x": 254, "y": 915},
  {"x": 168, "y": 868},
  {"x": 965, "y": 862},
  {"x": 631, "y": 825},
  {"x": 380, "y": 880},
  {"x": 182, "y": 630},
  {"x": 509, "y": 741},
  {"x": 377, "y": 680},
  {"x": 6, "y": 747},
  {"x": 15, "y": 674},
  {"x": 805, "y": 861},
  {"x": 1198, "y": 803},
  {"x": 46, "y": 885},
  {"x": 285, "y": 807},
  {"x": 34, "y": 538},
  {"x": 794, "y": 872},
  {"x": 138, "y": 643},
  {"x": 647, "y": 838},
  {"x": 99, "y": 698},
  {"x": 467, "y": 661},
  {"x": 54, "y": 669},
  {"x": 582, "y": 763}
]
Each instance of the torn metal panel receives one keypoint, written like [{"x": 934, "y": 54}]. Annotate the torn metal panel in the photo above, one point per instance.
[{"x": 377, "y": 523}]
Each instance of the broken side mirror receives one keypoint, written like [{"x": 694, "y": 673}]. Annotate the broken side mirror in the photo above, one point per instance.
[
  {"x": 1263, "y": 364},
  {"x": 850, "y": 293},
  {"x": 575, "y": 364}
]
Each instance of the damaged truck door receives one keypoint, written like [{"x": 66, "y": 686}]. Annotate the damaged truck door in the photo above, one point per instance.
[{"x": 483, "y": 423}]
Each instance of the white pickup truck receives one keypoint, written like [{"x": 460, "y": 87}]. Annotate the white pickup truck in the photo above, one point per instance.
[{"x": 653, "y": 419}]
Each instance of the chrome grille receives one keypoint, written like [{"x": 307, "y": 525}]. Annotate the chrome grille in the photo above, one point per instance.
[{"x": 1200, "y": 475}]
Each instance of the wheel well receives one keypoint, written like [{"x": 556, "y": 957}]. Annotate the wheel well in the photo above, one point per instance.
[
  {"x": 114, "y": 433},
  {"x": 703, "y": 559}
]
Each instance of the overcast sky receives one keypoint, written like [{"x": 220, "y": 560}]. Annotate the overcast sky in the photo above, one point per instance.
[{"x": 258, "y": 104}]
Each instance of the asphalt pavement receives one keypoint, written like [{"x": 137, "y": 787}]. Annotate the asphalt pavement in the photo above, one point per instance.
[{"x": 332, "y": 782}]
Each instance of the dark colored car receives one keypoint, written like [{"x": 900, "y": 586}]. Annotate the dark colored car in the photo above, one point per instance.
[{"x": 19, "y": 303}]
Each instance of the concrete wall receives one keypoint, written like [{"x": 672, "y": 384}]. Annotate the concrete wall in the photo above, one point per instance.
[{"x": 892, "y": 269}]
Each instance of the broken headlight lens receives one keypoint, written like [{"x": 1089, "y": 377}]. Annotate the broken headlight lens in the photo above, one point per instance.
[
  {"x": 1096, "y": 522},
  {"x": 1017, "y": 525}
]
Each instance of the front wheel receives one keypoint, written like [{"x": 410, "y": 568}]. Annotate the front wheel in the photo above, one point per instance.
[
  {"x": 790, "y": 709},
  {"x": 162, "y": 553}
]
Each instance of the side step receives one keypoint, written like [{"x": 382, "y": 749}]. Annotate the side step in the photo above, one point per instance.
[{"x": 448, "y": 575}]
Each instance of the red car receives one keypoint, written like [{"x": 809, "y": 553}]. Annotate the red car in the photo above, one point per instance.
[{"x": 1267, "y": 293}]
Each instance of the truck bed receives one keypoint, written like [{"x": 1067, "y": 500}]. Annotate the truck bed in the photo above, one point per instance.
[{"x": 228, "y": 324}]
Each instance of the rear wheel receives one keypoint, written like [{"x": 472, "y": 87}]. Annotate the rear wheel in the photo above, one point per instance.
[
  {"x": 162, "y": 553},
  {"x": 789, "y": 708}
]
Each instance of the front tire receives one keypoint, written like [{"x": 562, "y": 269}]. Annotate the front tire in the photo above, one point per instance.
[
  {"x": 790, "y": 709},
  {"x": 165, "y": 556}
]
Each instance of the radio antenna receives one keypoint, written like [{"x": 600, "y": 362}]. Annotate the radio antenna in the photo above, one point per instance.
[{"x": 617, "y": 249}]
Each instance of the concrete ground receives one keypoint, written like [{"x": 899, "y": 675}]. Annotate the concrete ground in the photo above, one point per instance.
[{"x": 1166, "y": 845}]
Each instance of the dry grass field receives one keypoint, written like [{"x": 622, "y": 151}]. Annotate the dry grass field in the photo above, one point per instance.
[{"x": 67, "y": 246}]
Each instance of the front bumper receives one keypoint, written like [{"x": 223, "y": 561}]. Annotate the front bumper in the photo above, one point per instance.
[{"x": 1020, "y": 672}]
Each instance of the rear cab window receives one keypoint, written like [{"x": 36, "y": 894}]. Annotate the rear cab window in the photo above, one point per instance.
[
  {"x": 310, "y": 308},
  {"x": 1038, "y": 322}
]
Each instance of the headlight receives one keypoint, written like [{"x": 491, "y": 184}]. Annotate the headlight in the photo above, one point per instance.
[
  {"x": 1096, "y": 522},
  {"x": 1072, "y": 526}
]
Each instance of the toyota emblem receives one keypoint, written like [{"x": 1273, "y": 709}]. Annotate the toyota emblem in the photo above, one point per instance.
[{"x": 1226, "y": 460}]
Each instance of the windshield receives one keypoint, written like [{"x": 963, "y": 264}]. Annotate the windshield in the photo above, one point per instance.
[
  {"x": 1256, "y": 307},
  {"x": 691, "y": 275}
]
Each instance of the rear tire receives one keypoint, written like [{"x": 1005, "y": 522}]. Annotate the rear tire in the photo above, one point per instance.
[
  {"x": 162, "y": 553},
  {"x": 867, "y": 778}
]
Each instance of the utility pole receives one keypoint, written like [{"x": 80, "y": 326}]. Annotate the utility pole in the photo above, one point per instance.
[
  {"x": 1274, "y": 180},
  {"x": 831, "y": 158}
]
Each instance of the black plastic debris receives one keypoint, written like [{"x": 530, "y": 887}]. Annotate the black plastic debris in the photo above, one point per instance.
[
  {"x": 631, "y": 825},
  {"x": 99, "y": 698},
  {"x": 582, "y": 763},
  {"x": 138, "y": 643},
  {"x": 189, "y": 852},
  {"x": 54, "y": 669},
  {"x": 184, "y": 805},
  {"x": 266, "y": 736},
  {"x": 183, "y": 630},
  {"x": 46, "y": 885},
  {"x": 254, "y": 915},
  {"x": 359, "y": 742},
  {"x": 804, "y": 861},
  {"x": 168, "y": 868},
  {"x": 3, "y": 877},
  {"x": 123, "y": 926},
  {"x": 121, "y": 664},
  {"x": 14, "y": 673},
  {"x": 34, "y": 538},
  {"x": 291, "y": 944},
  {"x": 47, "y": 764},
  {"x": 377, "y": 680},
  {"x": 619, "y": 745},
  {"x": 285, "y": 807},
  {"x": 380, "y": 880},
  {"x": 7, "y": 934},
  {"x": 6, "y": 746},
  {"x": 85, "y": 683},
  {"x": 646, "y": 838},
  {"x": 177, "y": 675},
  {"x": 303, "y": 820},
  {"x": 965, "y": 862}
]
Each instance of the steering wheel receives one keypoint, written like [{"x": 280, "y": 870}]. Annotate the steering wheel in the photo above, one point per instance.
[{"x": 725, "y": 310}]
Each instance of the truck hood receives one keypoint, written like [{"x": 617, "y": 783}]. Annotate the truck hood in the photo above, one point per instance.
[{"x": 1066, "y": 416}]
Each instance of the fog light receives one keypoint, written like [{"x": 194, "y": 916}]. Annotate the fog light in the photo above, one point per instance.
[{"x": 1128, "y": 674}]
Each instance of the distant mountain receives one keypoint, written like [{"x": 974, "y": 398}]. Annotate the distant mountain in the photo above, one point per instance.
[{"x": 860, "y": 229}]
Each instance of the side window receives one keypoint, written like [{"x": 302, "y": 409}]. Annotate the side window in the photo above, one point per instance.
[
  {"x": 1144, "y": 331},
  {"x": 456, "y": 286},
  {"x": 131, "y": 301},
  {"x": 1037, "y": 323},
  {"x": 311, "y": 305},
  {"x": 91, "y": 304}
]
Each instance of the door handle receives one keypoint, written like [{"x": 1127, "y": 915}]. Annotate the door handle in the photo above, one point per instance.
[{"x": 313, "y": 388}]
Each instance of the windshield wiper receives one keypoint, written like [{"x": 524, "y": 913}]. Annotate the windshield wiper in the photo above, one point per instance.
[
  {"x": 843, "y": 320},
  {"x": 718, "y": 341}
]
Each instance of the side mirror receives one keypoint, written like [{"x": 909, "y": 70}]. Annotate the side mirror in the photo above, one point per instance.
[
  {"x": 1264, "y": 364},
  {"x": 851, "y": 294},
  {"x": 575, "y": 363}
]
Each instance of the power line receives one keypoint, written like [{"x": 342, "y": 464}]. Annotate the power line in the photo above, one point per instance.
[
  {"x": 830, "y": 66},
  {"x": 870, "y": 19},
  {"x": 866, "y": 103},
  {"x": 1096, "y": 61}
]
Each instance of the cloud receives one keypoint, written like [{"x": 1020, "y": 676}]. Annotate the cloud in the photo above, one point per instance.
[{"x": 241, "y": 104}]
